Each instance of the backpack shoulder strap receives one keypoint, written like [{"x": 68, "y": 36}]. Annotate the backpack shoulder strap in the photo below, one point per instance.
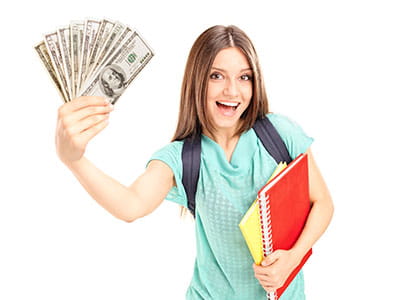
[
  {"x": 191, "y": 155},
  {"x": 271, "y": 140}
]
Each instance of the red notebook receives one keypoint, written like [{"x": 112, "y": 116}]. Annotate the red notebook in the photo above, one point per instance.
[{"x": 284, "y": 204}]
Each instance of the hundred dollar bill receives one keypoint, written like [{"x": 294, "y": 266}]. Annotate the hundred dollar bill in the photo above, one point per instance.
[
  {"x": 107, "y": 44},
  {"x": 94, "y": 28},
  {"x": 45, "y": 58},
  {"x": 51, "y": 42},
  {"x": 88, "y": 36},
  {"x": 127, "y": 32},
  {"x": 75, "y": 29},
  {"x": 101, "y": 36},
  {"x": 64, "y": 40},
  {"x": 111, "y": 80},
  {"x": 93, "y": 58}
]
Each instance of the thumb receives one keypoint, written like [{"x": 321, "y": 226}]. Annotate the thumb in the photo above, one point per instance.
[{"x": 269, "y": 260}]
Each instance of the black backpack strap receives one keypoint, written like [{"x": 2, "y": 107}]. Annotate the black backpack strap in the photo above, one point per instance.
[
  {"x": 271, "y": 140},
  {"x": 191, "y": 155}
]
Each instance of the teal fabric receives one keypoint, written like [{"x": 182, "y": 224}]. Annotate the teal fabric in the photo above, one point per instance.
[{"x": 223, "y": 266}]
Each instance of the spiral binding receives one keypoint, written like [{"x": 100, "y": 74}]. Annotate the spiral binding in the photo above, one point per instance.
[{"x": 266, "y": 232}]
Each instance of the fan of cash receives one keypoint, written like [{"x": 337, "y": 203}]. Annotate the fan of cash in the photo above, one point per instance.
[{"x": 96, "y": 58}]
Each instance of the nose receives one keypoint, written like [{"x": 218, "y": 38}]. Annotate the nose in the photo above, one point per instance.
[{"x": 231, "y": 88}]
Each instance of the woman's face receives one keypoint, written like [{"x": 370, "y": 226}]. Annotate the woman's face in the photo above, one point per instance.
[{"x": 230, "y": 88}]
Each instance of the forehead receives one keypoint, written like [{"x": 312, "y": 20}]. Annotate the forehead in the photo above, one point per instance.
[
  {"x": 108, "y": 71},
  {"x": 231, "y": 59}
]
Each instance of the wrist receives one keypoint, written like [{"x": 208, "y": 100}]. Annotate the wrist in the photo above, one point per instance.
[
  {"x": 73, "y": 164},
  {"x": 297, "y": 253}
]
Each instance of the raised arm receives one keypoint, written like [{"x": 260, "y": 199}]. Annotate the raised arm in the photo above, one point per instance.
[{"x": 78, "y": 122}]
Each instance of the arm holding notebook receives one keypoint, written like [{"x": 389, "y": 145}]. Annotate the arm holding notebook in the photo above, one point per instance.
[{"x": 275, "y": 268}]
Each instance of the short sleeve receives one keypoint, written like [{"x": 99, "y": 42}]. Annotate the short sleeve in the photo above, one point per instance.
[
  {"x": 172, "y": 156},
  {"x": 295, "y": 139}
]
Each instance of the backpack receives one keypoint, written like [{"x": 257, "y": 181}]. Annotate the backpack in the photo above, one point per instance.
[{"x": 191, "y": 153}]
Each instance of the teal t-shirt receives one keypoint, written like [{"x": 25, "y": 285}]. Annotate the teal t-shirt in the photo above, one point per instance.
[{"x": 223, "y": 267}]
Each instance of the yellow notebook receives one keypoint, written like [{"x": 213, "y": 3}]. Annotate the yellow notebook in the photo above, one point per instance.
[{"x": 250, "y": 225}]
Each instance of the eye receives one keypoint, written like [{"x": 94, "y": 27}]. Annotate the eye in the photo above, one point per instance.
[
  {"x": 246, "y": 77},
  {"x": 216, "y": 75}
]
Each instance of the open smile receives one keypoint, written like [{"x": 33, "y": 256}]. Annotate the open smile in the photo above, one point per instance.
[{"x": 227, "y": 108}]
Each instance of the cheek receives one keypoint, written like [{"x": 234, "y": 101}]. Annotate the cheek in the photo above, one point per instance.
[
  {"x": 247, "y": 93},
  {"x": 212, "y": 91}
]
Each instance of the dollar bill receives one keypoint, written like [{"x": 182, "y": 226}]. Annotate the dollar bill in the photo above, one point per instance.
[
  {"x": 94, "y": 28},
  {"x": 45, "y": 58},
  {"x": 111, "y": 80},
  {"x": 108, "y": 42},
  {"x": 127, "y": 32},
  {"x": 93, "y": 57},
  {"x": 102, "y": 35},
  {"x": 88, "y": 36},
  {"x": 52, "y": 45},
  {"x": 75, "y": 29},
  {"x": 64, "y": 40}
]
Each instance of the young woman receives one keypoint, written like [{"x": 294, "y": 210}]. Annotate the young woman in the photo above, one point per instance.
[{"x": 222, "y": 96}]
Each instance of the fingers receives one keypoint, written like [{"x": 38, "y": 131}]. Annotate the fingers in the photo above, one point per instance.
[
  {"x": 267, "y": 277},
  {"x": 84, "y": 118},
  {"x": 82, "y": 113},
  {"x": 80, "y": 140},
  {"x": 270, "y": 259},
  {"x": 268, "y": 272},
  {"x": 87, "y": 123},
  {"x": 80, "y": 107},
  {"x": 88, "y": 111},
  {"x": 81, "y": 102},
  {"x": 88, "y": 134},
  {"x": 268, "y": 284},
  {"x": 78, "y": 122}
]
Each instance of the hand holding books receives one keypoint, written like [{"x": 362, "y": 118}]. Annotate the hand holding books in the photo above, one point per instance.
[{"x": 277, "y": 217}]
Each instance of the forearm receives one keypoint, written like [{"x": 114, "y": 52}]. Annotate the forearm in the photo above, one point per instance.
[
  {"x": 109, "y": 193},
  {"x": 317, "y": 222}
]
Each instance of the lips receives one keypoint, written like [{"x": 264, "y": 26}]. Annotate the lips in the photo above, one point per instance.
[
  {"x": 228, "y": 103},
  {"x": 227, "y": 108}
]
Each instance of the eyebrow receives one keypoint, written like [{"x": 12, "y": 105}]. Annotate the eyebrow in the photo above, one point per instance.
[{"x": 223, "y": 70}]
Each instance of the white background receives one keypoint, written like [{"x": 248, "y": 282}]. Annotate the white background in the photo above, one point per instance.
[{"x": 332, "y": 66}]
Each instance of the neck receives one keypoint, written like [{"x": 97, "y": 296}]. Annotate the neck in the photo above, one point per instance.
[{"x": 227, "y": 139}]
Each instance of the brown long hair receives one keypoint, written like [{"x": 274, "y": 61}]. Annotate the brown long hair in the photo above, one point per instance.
[{"x": 192, "y": 117}]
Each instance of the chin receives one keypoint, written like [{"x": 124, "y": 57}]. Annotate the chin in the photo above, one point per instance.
[{"x": 226, "y": 124}]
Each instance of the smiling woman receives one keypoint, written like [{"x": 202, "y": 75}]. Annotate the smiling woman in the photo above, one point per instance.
[
  {"x": 229, "y": 89},
  {"x": 207, "y": 74},
  {"x": 222, "y": 96}
]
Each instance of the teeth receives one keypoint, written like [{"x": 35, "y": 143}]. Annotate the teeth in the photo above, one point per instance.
[{"x": 228, "y": 103}]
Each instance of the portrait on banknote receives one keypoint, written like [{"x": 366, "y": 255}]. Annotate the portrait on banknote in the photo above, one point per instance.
[{"x": 112, "y": 80}]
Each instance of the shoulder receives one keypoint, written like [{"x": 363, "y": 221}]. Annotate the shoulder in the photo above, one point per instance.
[
  {"x": 282, "y": 122},
  {"x": 296, "y": 140},
  {"x": 172, "y": 149},
  {"x": 171, "y": 154},
  {"x": 285, "y": 125}
]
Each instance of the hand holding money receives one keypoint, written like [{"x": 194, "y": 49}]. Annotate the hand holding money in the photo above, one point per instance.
[
  {"x": 78, "y": 122},
  {"x": 93, "y": 58}
]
